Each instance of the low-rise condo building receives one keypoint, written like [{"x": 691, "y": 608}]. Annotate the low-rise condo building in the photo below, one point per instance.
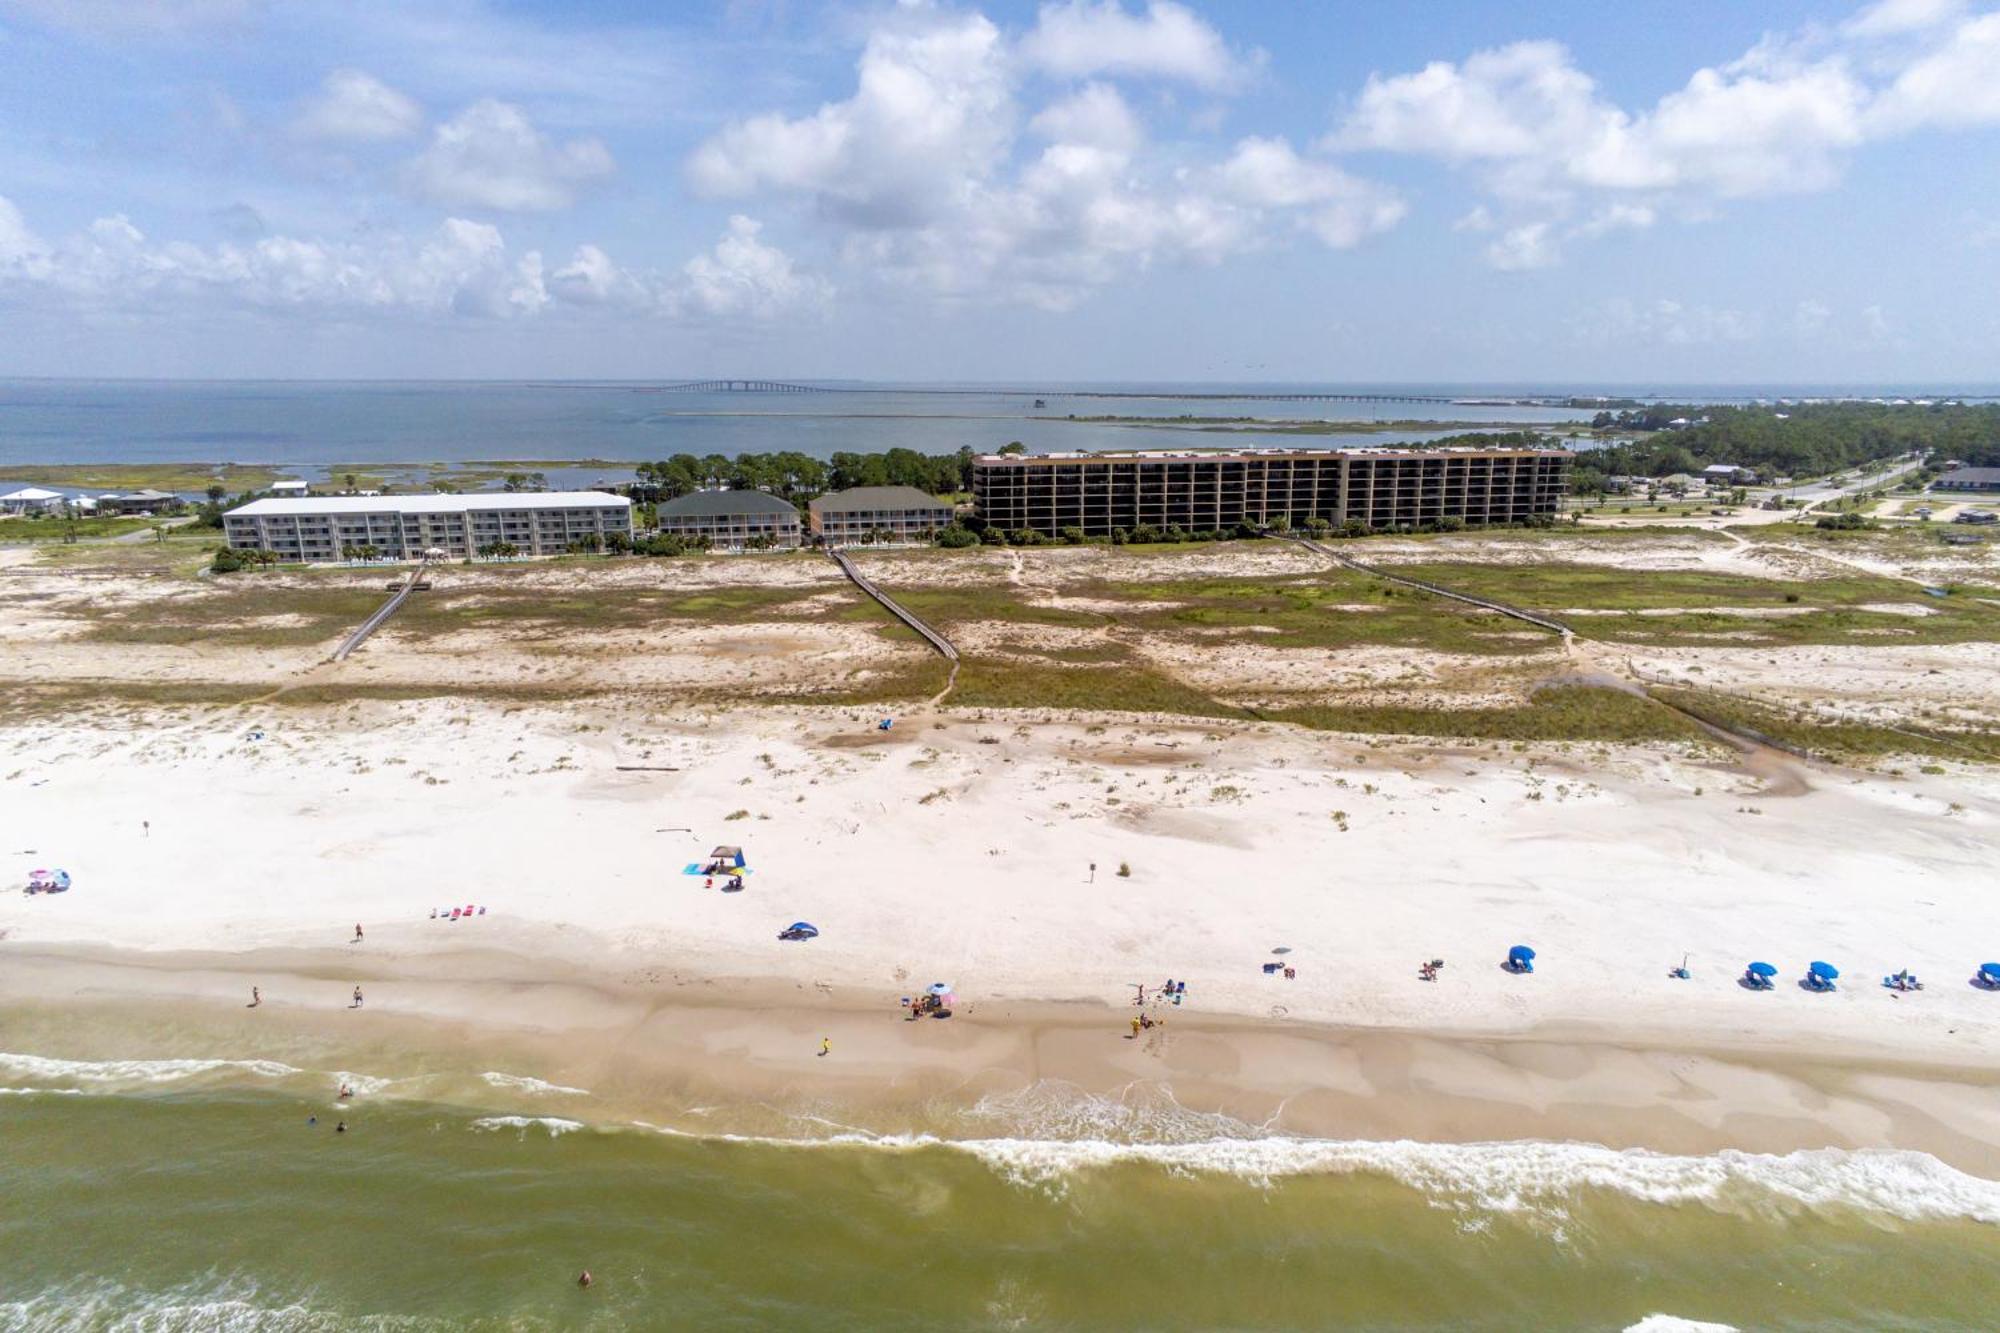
[
  {"x": 1099, "y": 494},
  {"x": 732, "y": 520},
  {"x": 402, "y": 527},
  {"x": 877, "y": 513}
]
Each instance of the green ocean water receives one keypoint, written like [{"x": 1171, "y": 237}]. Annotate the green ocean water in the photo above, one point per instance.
[{"x": 159, "y": 1201}]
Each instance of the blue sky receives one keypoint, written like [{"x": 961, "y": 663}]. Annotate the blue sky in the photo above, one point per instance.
[{"x": 1642, "y": 194}]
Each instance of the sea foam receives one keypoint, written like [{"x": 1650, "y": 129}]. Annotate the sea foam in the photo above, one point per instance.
[
  {"x": 555, "y": 1125},
  {"x": 536, "y": 1086},
  {"x": 45, "y": 1067}
]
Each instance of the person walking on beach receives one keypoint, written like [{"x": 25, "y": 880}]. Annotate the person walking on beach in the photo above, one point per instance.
[
  {"x": 147, "y": 825},
  {"x": 825, "y": 1045},
  {"x": 1135, "y": 1028},
  {"x": 357, "y": 999},
  {"x": 256, "y": 997},
  {"x": 357, "y": 934}
]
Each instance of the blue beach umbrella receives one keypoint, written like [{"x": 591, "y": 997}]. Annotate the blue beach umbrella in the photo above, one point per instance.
[
  {"x": 1991, "y": 971},
  {"x": 1520, "y": 953},
  {"x": 1763, "y": 970},
  {"x": 1824, "y": 971}
]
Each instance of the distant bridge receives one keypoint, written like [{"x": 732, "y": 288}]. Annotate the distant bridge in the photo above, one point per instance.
[
  {"x": 746, "y": 386},
  {"x": 1274, "y": 396}
]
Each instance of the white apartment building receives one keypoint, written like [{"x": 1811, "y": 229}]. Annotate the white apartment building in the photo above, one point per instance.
[{"x": 320, "y": 529}]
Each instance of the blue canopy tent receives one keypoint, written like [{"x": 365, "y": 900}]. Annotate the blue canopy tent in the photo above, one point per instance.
[
  {"x": 799, "y": 930},
  {"x": 1989, "y": 974},
  {"x": 1521, "y": 958}
]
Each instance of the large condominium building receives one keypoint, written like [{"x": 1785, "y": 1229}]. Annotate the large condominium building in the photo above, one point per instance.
[
  {"x": 1377, "y": 487},
  {"x": 878, "y": 513},
  {"x": 403, "y": 527},
  {"x": 732, "y": 520}
]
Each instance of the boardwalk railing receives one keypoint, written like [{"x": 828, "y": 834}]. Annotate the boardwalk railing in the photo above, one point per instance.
[
  {"x": 1487, "y": 603},
  {"x": 895, "y": 608},
  {"x": 382, "y": 613}
]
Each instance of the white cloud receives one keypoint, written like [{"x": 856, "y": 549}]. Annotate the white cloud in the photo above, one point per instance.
[
  {"x": 1540, "y": 128},
  {"x": 1546, "y": 144},
  {"x": 1078, "y": 38},
  {"x": 461, "y": 270},
  {"x": 931, "y": 109},
  {"x": 1953, "y": 85},
  {"x": 1810, "y": 318},
  {"x": 490, "y": 156},
  {"x": 924, "y": 170},
  {"x": 1340, "y": 209},
  {"x": 1888, "y": 18},
  {"x": 744, "y": 276},
  {"x": 1529, "y": 246},
  {"x": 353, "y": 106},
  {"x": 1096, "y": 115},
  {"x": 22, "y": 253}
]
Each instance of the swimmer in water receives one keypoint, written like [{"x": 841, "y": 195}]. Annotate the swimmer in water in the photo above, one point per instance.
[
  {"x": 583, "y": 1279},
  {"x": 340, "y": 1128}
]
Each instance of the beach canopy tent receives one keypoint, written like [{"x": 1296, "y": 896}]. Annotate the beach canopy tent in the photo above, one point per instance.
[
  {"x": 799, "y": 930},
  {"x": 726, "y": 856},
  {"x": 940, "y": 988},
  {"x": 1991, "y": 971},
  {"x": 1763, "y": 970},
  {"x": 1824, "y": 971},
  {"x": 1520, "y": 956}
]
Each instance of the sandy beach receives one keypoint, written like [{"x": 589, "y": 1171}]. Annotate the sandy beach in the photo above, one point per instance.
[{"x": 239, "y": 847}]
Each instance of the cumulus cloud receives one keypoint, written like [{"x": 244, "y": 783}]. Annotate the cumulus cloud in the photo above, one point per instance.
[
  {"x": 1955, "y": 84},
  {"x": 490, "y": 156},
  {"x": 463, "y": 269},
  {"x": 927, "y": 174},
  {"x": 355, "y": 107},
  {"x": 744, "y": 276},
  {"x": 1546, "y": 143},
  {"x": 1078, "y": 38},
  {"x": 1888, "y": 18},
  {"x": 1342, "y": 210},
  {"x": 931, "y": 108}
]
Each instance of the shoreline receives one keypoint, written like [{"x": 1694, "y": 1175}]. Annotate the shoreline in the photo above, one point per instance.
[{"x": 739, "y": 1058}]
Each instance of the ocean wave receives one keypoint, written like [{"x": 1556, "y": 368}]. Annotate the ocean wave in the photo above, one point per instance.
[
  {"x": 536, "y": 1086},
  {"x": 1140, "y": 1113},
  {"x": 1522, "y": 1176},
  {"x": 41, "y": 1092},
  {"x": 361, "y": 1085},
  {"x": 1667, "y": 1323},
  {"x": 555, "y": 1125},
  {"x": 1530, "y": 1177},
  {"x": 207, "y": 1307},
  {"x": 132, "y": 1071}
]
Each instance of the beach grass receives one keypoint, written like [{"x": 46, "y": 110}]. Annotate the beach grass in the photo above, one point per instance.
[
  {"x": 60, "y": 530},
  {"x": 1835, "y": 739},
  {"x": 1554, "y": 713},
  {"x": 1696, "y": 607}
]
